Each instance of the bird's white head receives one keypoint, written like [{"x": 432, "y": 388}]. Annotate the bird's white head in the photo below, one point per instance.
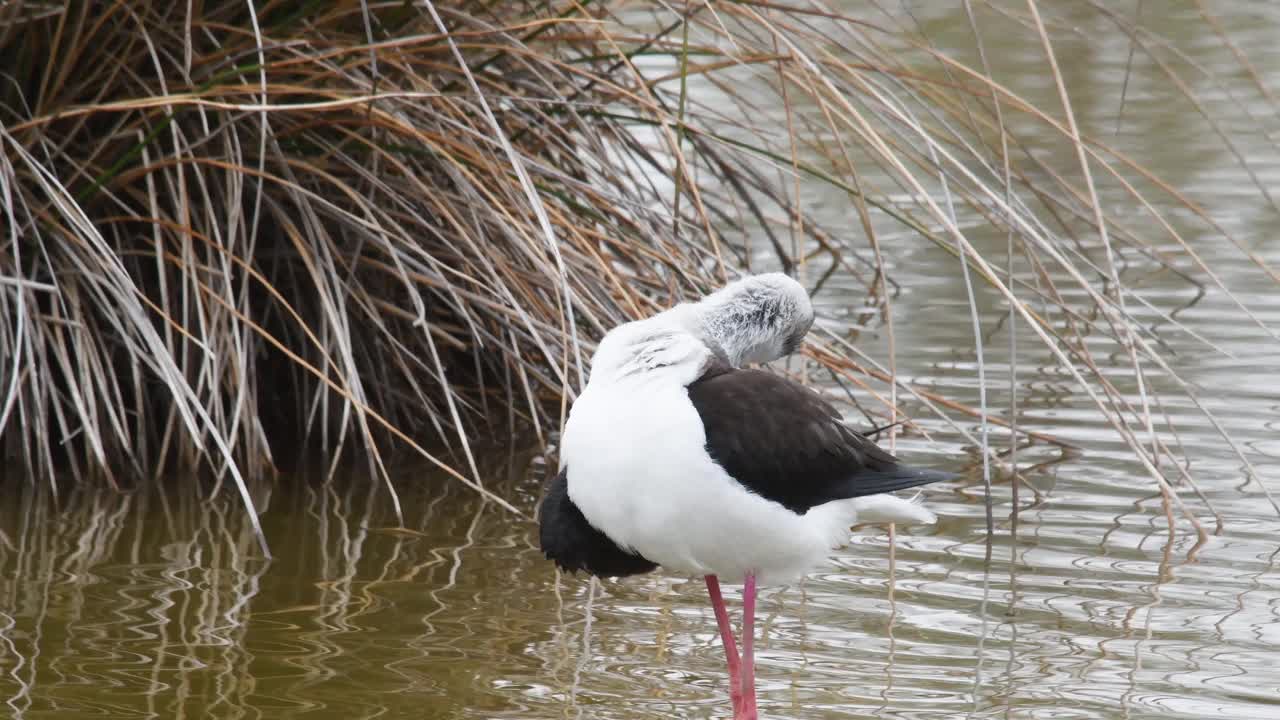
[{"x": 756, "y": 319}]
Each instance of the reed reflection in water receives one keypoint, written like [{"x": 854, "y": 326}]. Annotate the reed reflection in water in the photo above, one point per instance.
[{"x": 152, "y": 604}]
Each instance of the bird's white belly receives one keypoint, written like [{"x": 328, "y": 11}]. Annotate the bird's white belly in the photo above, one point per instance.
[{"x": 639, "y": 471}]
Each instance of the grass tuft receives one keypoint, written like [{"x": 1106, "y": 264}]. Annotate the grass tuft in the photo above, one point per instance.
[{"x": 260, "y": 227}]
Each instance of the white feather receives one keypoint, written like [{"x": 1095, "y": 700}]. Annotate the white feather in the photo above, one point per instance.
[{"x": 884, "y": 509}]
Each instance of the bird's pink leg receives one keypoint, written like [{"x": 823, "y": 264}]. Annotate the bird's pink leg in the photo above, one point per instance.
[
  {"x": 748, "y": 647},
  {"x": 730, "y": 646}
]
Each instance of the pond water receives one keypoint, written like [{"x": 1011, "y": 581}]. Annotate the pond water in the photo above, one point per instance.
[{"x": 155, "y": 604}]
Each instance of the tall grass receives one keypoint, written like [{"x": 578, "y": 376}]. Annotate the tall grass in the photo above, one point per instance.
[{"x": 236, "y": 229}]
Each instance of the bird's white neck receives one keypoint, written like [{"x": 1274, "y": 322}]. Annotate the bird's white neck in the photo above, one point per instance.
[{"x": 646, "y": 349}]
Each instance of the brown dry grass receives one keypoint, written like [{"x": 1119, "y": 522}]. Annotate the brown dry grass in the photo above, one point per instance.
[{"x": 231, "y": 233}]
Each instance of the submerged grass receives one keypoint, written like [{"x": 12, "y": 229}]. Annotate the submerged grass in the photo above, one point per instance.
[{"x": 235, "y": 229}]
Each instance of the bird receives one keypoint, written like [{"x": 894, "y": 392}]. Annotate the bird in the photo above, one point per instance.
[{"x": 678, "y": 455}]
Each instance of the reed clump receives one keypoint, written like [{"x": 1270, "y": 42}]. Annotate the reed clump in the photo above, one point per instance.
[{"x": 235, "y": 229}]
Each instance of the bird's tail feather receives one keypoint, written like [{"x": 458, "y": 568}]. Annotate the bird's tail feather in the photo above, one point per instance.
[{"x": 884, "y": 509}]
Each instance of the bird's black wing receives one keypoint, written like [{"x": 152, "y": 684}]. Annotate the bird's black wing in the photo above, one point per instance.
[
  {"x": 567, "y": 538},
  {"x": 784, "y": 442}
]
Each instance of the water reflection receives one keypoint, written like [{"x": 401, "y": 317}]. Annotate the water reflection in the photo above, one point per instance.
[{"x": 153, "y": 605}]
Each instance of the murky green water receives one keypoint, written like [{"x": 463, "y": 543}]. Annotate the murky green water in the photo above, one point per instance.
[{"x": 151, "y": 605}]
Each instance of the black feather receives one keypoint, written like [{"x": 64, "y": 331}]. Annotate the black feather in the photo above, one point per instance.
[
  {"x": 568, "y": 539},
  {"x": 782, "y": 441}
]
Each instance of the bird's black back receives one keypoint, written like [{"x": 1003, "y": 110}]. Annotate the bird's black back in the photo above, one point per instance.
[{"x": 782, "y": 441}]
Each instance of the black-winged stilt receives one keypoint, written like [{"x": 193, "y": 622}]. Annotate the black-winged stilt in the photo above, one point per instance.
[{"x": 675, "y": 455}]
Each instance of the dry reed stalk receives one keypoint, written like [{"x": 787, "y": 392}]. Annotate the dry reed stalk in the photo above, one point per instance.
[{"x": 232, "y": 233}]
